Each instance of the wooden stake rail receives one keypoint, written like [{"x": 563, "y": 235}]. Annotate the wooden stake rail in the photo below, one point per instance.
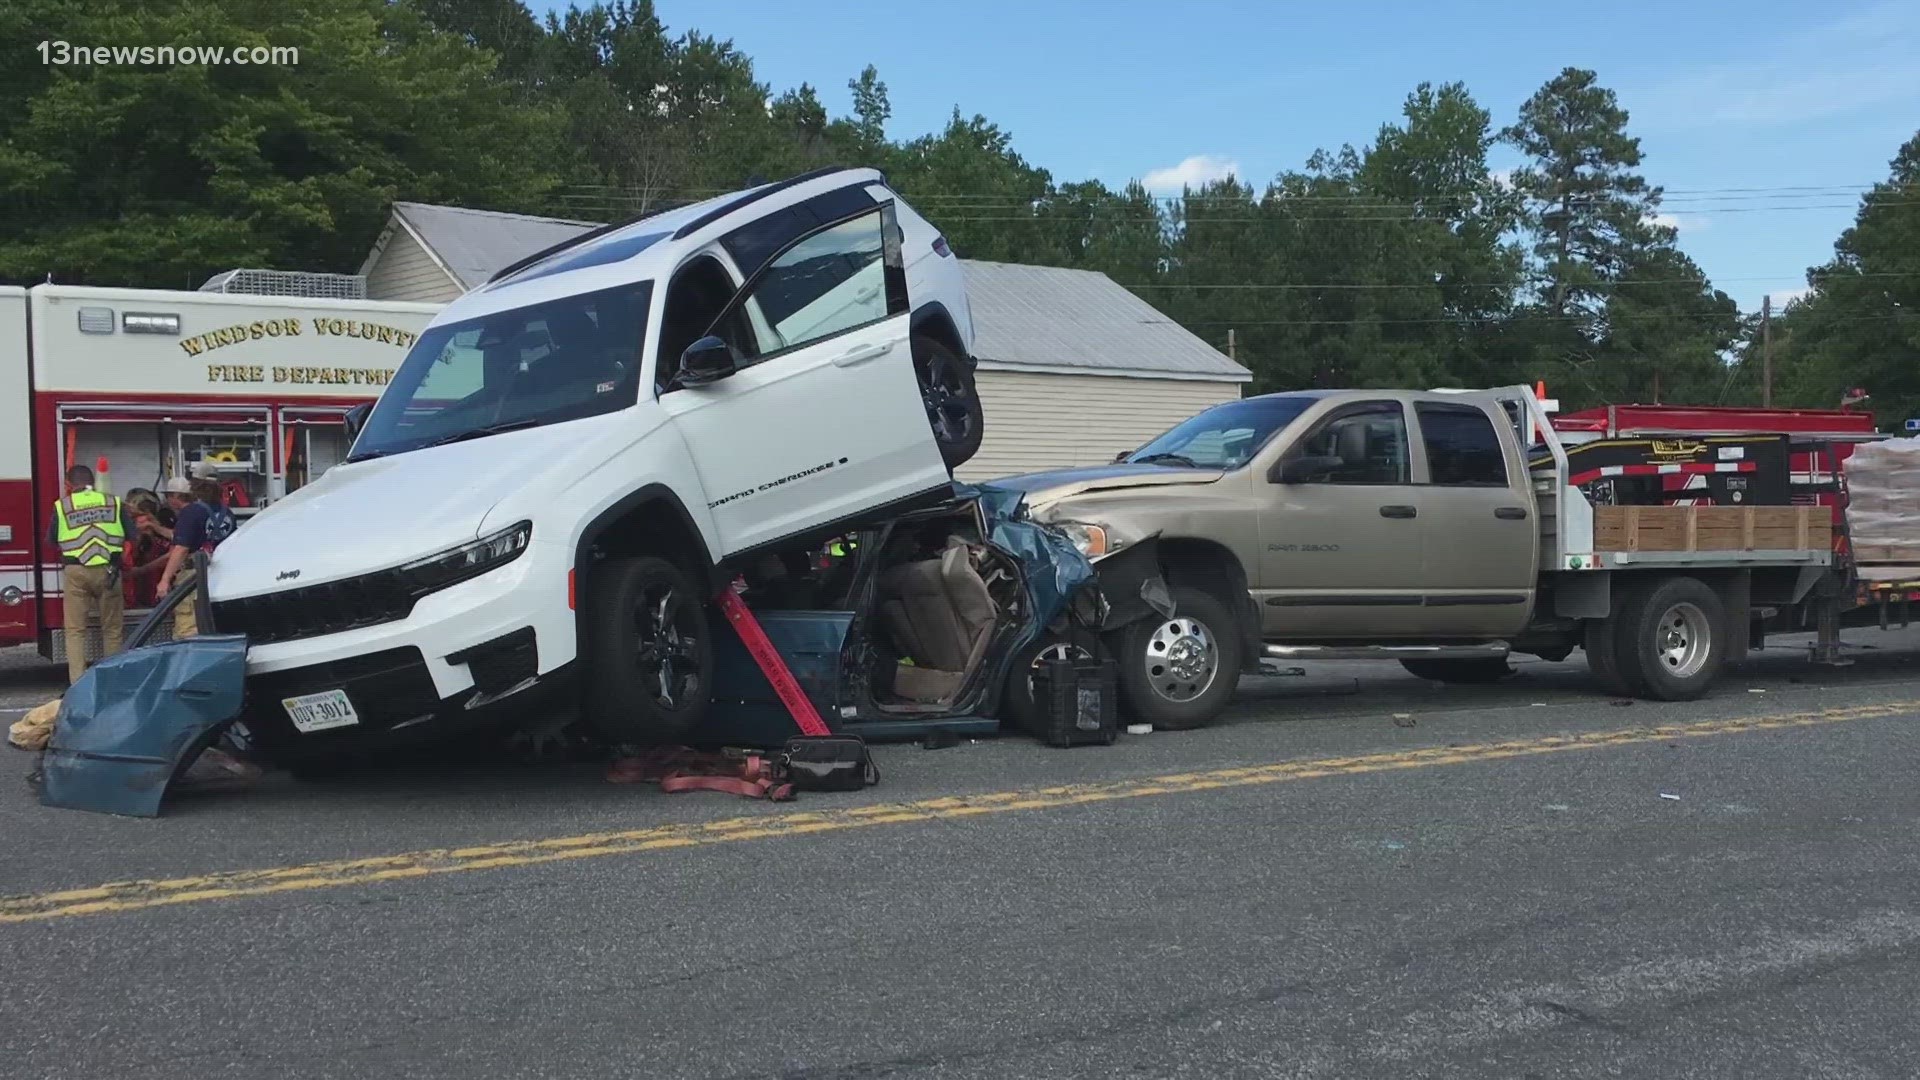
[{"x": 1712, "y": 528}]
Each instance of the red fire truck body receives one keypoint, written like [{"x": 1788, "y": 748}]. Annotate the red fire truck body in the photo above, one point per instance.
[{"x": 142, "y": 384}]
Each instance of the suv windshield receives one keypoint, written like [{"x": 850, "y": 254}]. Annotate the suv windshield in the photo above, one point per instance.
[
  {"x": 569, "y": 358},
  {"x": 1223, "y": 437}
]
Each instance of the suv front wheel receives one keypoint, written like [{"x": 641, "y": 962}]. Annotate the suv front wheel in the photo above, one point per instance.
[
  {"x": 648, "y": 652},
  {"x": 951, "y": 399}
]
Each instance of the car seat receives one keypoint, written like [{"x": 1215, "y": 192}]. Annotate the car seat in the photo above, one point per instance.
[{"x": 941, "y": 616}]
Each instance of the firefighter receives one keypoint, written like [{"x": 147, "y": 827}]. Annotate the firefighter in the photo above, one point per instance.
[
  {"x": 200, "y": 526},
  {"x": 91, "y": 530}
]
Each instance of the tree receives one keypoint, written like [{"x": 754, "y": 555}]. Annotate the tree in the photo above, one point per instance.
[
  {"x": 972, "y": 185},
  {"x": 1861, "y": 324},
  {"x": 1617, "y": 307},
  {"x": 871, "y": 110},
  {"x": 503, "y": 27},
  {"x": 1378, "y": 266},
  {"x": 160, "y": 175},
  {"x": 1587, "y": 208}
]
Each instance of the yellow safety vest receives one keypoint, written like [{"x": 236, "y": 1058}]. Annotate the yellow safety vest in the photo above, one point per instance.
[{"x": 89, "y": 530}]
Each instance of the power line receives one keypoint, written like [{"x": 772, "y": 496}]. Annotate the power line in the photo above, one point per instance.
[
  {"x": 1506, "y": 320},
  {"x": 1242, "y": 218},
  {"x": 1306, "y": 286}
]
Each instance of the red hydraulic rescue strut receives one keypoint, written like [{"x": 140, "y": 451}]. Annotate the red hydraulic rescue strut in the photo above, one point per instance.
[
  {"x": 772, "y": 665},
  {"x": 679, "y": 769}
]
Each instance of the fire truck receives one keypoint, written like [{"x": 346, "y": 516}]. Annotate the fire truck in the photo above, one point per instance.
[{"x": 251, "y": 374}]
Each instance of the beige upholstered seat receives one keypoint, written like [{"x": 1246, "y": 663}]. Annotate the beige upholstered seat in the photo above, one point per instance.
[{"x": 941, "y": 616}]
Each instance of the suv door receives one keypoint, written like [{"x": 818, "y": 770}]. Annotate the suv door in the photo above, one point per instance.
[
  {"x": 1483, "y": 533},
  {"x": 821, "y": 419},
  {"x": 1340, "y": 536}
]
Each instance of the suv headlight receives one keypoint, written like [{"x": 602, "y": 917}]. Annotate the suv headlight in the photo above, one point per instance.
[
  {"x": 468, "y": 560},
  {"x": 1090, "y": 539}
]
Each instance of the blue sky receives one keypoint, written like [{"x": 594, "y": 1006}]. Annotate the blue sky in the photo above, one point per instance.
[{"x": 1761, "y": 94}]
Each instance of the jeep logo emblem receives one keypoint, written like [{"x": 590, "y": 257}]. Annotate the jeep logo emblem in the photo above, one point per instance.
[{"x": 287, "y": 575}]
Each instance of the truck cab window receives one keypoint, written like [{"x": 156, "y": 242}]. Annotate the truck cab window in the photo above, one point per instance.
[
  {"x": 1463, "y": 448},
  {"x": 1363, "y": 446}
]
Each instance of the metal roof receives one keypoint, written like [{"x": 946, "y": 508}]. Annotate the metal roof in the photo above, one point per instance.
[
  {"x": 1037, "y": 318},
  {"x": 1053, "y": 318},
  {"x": 474, "y": 243}
]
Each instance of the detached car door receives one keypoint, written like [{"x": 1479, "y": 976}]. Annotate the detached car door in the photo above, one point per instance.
[{"x": 820, "y": 420}]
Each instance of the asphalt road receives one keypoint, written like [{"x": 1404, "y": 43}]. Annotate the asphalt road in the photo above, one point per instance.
[{"x": 1494, "y": 882}]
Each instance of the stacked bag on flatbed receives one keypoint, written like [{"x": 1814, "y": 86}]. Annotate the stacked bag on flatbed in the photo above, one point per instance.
[{"x": 1883, "y": 512}]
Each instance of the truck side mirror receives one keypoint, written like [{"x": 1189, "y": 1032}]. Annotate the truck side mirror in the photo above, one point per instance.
[
  {"x": 355, "y": 419},
  {"x": 707, "y": 360},
  {"x": 1301, "y": 469}
]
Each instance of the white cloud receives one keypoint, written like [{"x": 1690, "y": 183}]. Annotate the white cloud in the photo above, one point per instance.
[
  {"x": 1680, "y": 224},
  {"x": 1501, "y": 178},
  {"x": 1787, "y": 296},
  {"x": 1192, "y": 172}
]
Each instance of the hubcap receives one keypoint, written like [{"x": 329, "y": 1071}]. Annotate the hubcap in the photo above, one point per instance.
[
  {"x": 1182, "y": 659},
  {"x": 1684, "y": 640},
  {"x": 668, "y": 659}
]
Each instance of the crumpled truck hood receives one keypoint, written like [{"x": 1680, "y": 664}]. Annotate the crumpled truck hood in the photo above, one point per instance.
[{"x": 1042, "y": 488}]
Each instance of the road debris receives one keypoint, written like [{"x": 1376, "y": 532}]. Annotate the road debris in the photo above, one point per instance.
[
  {"x": 31, "y": 731},
  {"x": 1139, "y": 729},
  {"x": 1669, "y": 796}
]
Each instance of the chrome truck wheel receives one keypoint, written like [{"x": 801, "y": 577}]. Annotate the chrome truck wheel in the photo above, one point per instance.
[
  {"x": 1181, "y": 659},
  {"x": 1179, "y": 672},
  {"x": 1665, "y": 638}
]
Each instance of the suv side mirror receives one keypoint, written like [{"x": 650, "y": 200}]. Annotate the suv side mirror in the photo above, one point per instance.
[
  {"x": 1122, "y": 456},
  {"x": 707, "y": 360},
  {"x": 355, "y": 419},
  {"x": 1301, "y": 469}
]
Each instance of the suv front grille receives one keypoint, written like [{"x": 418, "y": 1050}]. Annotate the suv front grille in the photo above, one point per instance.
[{"x": 314, "y": 610}]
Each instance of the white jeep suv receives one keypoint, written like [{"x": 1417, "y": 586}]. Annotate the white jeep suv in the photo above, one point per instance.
[{"x": 574, "y": 458}]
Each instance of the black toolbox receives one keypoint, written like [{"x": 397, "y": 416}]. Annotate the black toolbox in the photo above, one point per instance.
[{"x": 1077, "y": 702}]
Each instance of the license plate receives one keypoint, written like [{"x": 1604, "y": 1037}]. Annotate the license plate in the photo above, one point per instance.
[{"x": 318, "y": 712}]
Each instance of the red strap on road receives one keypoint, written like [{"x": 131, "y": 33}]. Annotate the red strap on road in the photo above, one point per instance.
[
  {"x": 730, "y": 785},
  {"x": 771, "y": 664},
  {"x": 678, "y": 769}
]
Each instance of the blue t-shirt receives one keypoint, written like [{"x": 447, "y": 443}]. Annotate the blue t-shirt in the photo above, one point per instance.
[{"x": 201, "y": 526}]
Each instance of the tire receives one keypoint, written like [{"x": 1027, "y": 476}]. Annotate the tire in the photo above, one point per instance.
[
  {"x": 952, "y": 401},
  {"x": 648, "y": 653},
  {"x": 1017, "y": 705},
  {"x": 1601, "y": 660},
  {"x": 1202, "y": 635},
  {"x": 1670, "y": 639},
  {"x": 1470, "y": 671}
]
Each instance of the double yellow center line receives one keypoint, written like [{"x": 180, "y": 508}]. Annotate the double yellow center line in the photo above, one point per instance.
[{"x": 139, "y": 895}]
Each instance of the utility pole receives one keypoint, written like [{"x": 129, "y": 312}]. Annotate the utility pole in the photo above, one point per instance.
[
  {"x": 1766, "y": 352},
  {"x": 1230, "y": 347}
]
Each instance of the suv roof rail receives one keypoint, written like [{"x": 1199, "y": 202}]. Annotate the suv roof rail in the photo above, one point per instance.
[
  {"x": 679, "y": 234},
  {"x": 756, "y": 195},
  {"x": 572, "y": 241}
]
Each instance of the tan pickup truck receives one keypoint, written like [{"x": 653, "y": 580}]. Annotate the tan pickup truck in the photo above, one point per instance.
[{"x": 1439, "y": 529}]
